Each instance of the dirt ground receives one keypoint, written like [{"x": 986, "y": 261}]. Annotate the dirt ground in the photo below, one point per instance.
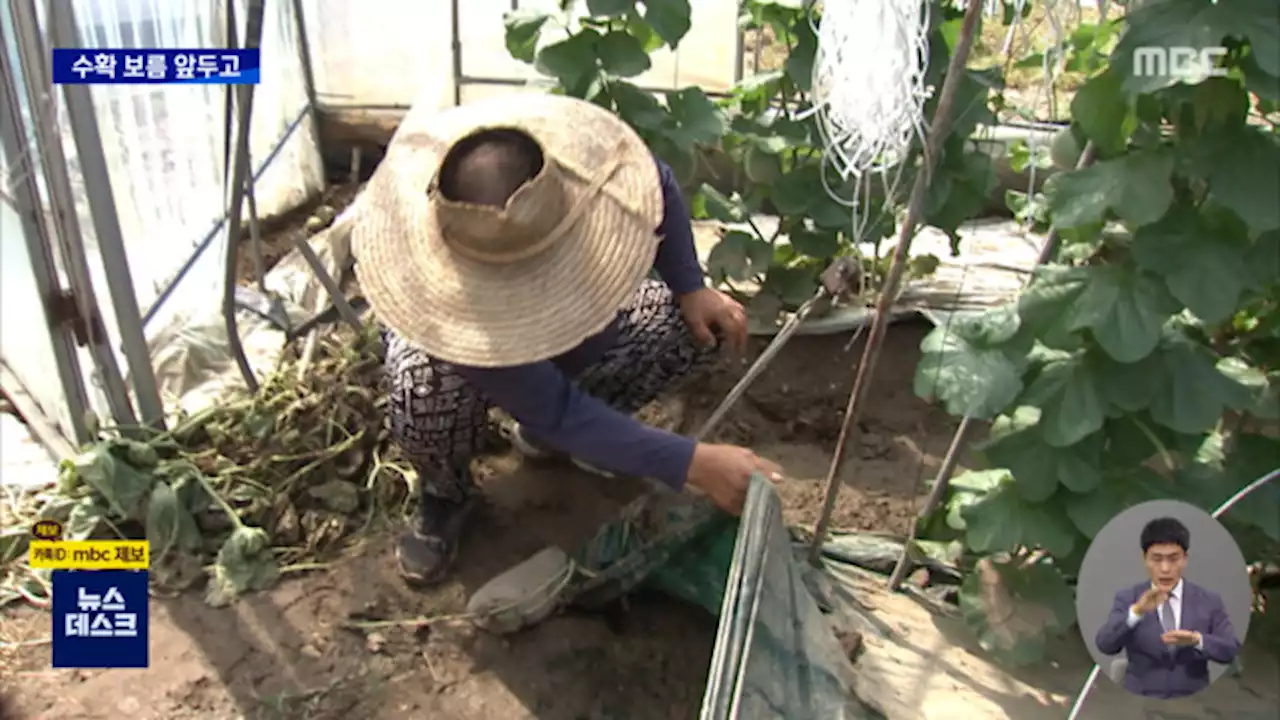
[
  {"x": 282, "y": 233},
  {"x": 286, "y": 653}
]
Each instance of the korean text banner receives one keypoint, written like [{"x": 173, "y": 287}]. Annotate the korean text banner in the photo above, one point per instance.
[
  {"x": 100, "y": 619},
  {"x": 77, "y": 66},
  {"x": 89, "y": 554}
]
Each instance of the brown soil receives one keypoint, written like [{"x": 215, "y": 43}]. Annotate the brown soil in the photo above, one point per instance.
[
  {"x": 282, "y": 233},
  {"x": 793, "y": 413},
  {"x": 285, "y": 653}
]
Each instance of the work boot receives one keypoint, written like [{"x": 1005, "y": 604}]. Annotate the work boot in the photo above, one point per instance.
[
  {"x": 534, "y": 450},
  {"x": 425, "y": 553}
]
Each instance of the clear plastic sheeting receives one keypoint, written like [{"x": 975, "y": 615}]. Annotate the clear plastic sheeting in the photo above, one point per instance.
[
  {"x": 391, "y": 53},
  {"x": 775, "y": 655},
  {"x": 164, "y": 147},
  {"x": 164, "y": 144},
  {"x": 29, "y": 346},
  {"x": 26, "y": 346}
]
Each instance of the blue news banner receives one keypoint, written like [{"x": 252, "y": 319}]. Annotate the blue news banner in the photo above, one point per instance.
[
  {"x": 112, "y": 66},
  {"x": 100, "y": 619}
]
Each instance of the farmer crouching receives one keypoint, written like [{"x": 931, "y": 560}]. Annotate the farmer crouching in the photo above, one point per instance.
[{"x": 506, "y": 246}]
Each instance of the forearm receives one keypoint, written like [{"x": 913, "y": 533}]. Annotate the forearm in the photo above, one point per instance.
[
  {"x": 677, "y": 258},
  {"x": 1219, "y": 649},
  {"x": 1112, "y": 636},
  {"x": 621, "y": 444},
  {"x": 552, "y": 410},
  {"x": 1220, "y": 643},
  {"x": 1120, "y": 623}
]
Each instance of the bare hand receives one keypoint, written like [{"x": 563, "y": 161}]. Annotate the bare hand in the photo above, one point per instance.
[
  {"x": 707, "y": 311},
  {"x": 1181, "y": 638},
  {"x": 1150, "y": 600},
  {"x": 723, "y": 473}
]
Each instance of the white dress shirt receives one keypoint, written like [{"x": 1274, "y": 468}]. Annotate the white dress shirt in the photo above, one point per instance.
[{"x": 1174, "y": 600}]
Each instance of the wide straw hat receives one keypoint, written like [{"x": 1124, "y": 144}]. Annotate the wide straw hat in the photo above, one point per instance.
[{"x": 487, "y": 287}]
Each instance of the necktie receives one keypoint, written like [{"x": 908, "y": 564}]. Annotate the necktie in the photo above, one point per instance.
[{"x": 1166, "y": 616}]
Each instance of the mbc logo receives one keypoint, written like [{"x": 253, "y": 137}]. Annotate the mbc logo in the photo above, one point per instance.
[{"x": 1178, "y": 62}]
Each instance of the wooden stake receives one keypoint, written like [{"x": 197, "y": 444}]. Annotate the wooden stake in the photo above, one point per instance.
[{"x": 939, "y": 128}]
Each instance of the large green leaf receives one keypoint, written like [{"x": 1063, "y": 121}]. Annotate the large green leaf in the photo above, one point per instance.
[
  {"x": 637, "y": 107},
  {"x": 798, "y": 190},
  {"x": 968, "y": 488},
  {"x": 1039, "y": 468},
  {"x": 1125, "y": 309},
  {"x": 523, "y": 27},
  {"x": 87, "y": 516},
  {"x": 1263, "y": 259},
  {"x": 972, "y": 102},
  {"x": 118, "y": 482},
  {"x": 739, "y": 256},
  {"x": 1119, "y": 491},
  {"x": 1240, "y": 165},
  {"x": 1219, "y": 104},
  {"x": 968, "y": 366},
  {"x": 698, "y": 120},
  {"x": 13, "y": 545},
  {"x": 1104, "y": 113},
  {"x": 671, "y": 19},
  {"x": 800, "y": 59},
  {"x": 1135, "y": 439},
  {"x": 1136, "y": 187},
  {"x": 163, "y": 524},
  {"x": 572, "y": 60},
  {"x": 1003, "y": 521},
  {"x": 1048, "y": 305},
  {"x": 1192, "y": 392},
  {"x": 1128, "y": 386},
  {"x": 959, "y": 191},
  {"x": 622, "y": 54},
  {"x": 644, "y": 32},
  {"x": 245, "y": 562},
  {"x": 1263, "y": 388},
  {"x": 1072, "y": 406},
  {"x": 815, "y": 243},
  {"x": 1202, "y": 267},
  {"x": 1016, "y": 606}
]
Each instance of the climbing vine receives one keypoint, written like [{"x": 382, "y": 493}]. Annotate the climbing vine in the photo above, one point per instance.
[
  {"x": 1144, "y": 362},
  {"x": 756, "y": 151}
]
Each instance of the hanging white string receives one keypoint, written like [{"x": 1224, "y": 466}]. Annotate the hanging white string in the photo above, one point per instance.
[
  {"x": 868, "y": 96},
  {"x": 868, "y": 81}
]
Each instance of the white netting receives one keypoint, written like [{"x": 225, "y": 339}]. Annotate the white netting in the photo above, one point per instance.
[{"x": 868, "y": 81}]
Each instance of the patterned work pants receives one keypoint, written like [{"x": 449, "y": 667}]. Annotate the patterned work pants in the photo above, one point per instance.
[{"x": 440, "y": 421}]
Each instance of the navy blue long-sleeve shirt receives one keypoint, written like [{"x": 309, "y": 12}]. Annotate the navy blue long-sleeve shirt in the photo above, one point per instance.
[{"x": 543, "y": 398}]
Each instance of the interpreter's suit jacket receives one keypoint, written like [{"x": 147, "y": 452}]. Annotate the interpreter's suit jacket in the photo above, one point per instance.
[{"x": 1163, "y": 671}]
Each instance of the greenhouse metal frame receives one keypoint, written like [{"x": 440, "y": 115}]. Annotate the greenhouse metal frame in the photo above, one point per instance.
[{"x": 106, "y": 186}]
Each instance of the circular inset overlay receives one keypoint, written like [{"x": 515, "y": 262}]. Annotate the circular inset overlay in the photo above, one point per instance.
[{"x": 1163, "y": 599}]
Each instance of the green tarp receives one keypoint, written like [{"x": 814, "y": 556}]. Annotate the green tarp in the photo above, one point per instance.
[{"x": 775, "y": 654}]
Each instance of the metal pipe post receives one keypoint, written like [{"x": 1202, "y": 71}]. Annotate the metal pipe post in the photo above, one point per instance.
[
  {"x": 239, "y": 174},
  {"x": 455, "y": 46},
  {"x": 106, "y": 224},
  {"x": 35, "y": 233},
  {"x": 33, "y": 57},
  {"x": 308, "y": 75},
  {"x": 939, "y": 128}
]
